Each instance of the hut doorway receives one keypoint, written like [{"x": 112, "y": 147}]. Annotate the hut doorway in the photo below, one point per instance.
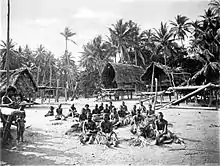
[{"x": 108, "y": 77}]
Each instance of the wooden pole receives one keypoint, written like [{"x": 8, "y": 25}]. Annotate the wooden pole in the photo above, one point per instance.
[
  {"x": 57, "y": 91},
  {"x": 152, "y": 79},
  {"x": 155, "y": 99},
  {"x": 191, "y": 94},
  {"x": 8, "y": 38}
]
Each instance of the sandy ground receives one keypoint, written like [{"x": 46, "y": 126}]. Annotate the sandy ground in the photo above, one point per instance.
[{"x": 46, "y": 144}]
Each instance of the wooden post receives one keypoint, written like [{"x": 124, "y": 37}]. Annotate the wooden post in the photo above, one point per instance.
[
  {"x": 152, "y": 81},
  {"x": 155, "y": 99},
  {"x": 57, "y": 91},
  {"x": 8, "y": 38}
]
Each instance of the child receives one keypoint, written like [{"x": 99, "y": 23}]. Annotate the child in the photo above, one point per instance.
[{"x": 20, "y": 122}]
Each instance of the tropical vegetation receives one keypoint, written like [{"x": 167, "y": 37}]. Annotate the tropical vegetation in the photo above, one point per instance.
[{"x": 192, "y": 46}]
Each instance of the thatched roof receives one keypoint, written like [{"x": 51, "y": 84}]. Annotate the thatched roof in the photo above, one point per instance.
[
  {"x": 21, "y": 79},
  {"x": 121, "y": 73},
  {"x": 209, "y": 73},
  {"x": 159, "y": 70},
  {"x": 165, "y": 73}
]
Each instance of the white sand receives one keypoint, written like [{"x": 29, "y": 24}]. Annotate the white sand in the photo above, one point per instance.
[{"x": 47, "y": 144}]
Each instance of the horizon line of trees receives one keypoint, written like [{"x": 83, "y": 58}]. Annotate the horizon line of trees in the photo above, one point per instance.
[{"x": 127, "y": 43}]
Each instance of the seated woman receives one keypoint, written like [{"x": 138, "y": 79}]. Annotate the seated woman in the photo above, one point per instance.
[
  {"x": 89, "y": 130},
  {"x": 106, "y": 110},
  {"x": 96, "y": 110},
  {"x": 134, "y": 111},
  {"x": 107, "y": 130},
  {"x": 101, "y": 107},
  {"x": 161, "y": 129},
  {"x": 50, "y": 112},
  {"x": 82, "y": 118},
  {"x": 59, "y": 111},
  {"x": 150, "y": 111},
  {"x": 137, "y": 123},
  {"x": 114, "y": 118},
  {"x": 72, "y": 112},
  {"x": 122, "y": 112}
]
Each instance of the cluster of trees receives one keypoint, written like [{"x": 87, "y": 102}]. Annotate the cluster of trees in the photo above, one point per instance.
[
  {"x": 128, "y": 43},
  {"x": 166, "y": 45}
]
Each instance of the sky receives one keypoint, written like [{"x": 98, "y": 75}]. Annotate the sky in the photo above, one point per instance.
[{"x": 36, "y": 22}]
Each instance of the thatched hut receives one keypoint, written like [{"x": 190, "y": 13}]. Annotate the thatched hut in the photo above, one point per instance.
[
  {"x": 166, "y": 76},
  {"x": 124, "y": 76},
  {"x": 22, "y": 80},
  {"x": 209, "y": 73}
]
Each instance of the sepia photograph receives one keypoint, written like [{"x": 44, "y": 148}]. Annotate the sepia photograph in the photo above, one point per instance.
[{"x": 110, "y": 82}]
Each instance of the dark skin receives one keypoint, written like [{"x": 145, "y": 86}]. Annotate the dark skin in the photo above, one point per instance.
[{"x": 161, "y": 129}]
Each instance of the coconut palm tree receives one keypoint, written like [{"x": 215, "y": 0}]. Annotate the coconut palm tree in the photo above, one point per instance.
[
  {"x": 120, "y": 33},
  {"x": 14, "y": 58},
  {"x": 96, "y": 54},
  {"x": 68, "y": 34},
  {"x": 215, "y": 6},
  {"x": 136, "y": 43},
  {"x": 180, "y": 27},
  {"x": 164, "y": 42},
  {"x": 40, "y": 54},
  {"x": 206, "y": 43}
]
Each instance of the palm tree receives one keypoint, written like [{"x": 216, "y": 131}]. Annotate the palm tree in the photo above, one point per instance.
[
  {"x": 136, "y": 42},
  {"x": 215, "y": 6},
  {"x": 180, "y": 27},
  {"x": 14, "y": 58},
  {"x": 163, "y": 41},
  {"x": 40, "y": 54},
  {"x": 206, "y": 45},
  {"x": 120, "y": 33},
  {"x": 96, "y": 54},
  {"x": 67, "y": 34}
]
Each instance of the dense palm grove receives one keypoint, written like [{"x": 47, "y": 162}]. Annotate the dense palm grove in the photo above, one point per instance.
[{"x": 191, "y": 46}]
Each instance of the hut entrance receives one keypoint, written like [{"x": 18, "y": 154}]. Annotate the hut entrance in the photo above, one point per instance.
[{"x": 108, "y": 77}]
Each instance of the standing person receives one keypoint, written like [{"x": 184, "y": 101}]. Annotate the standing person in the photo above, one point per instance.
[
  {"x": 161, "y": 129},
  {"x": 89, "y": 129},
  {"x": 20, "y": 122},
  {"x": 59, "y": 111}
]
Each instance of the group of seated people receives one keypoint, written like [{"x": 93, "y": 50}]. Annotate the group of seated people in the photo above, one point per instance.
[{"x": 144, "y": 122}]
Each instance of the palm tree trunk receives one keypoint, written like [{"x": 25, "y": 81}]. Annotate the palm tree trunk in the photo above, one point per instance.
[
  {"x": 136, "y": 58},
  {"x": 38, "y": 74},
  {"x": 165, "y": 60},
  {"x": 50, "y": 73}
]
